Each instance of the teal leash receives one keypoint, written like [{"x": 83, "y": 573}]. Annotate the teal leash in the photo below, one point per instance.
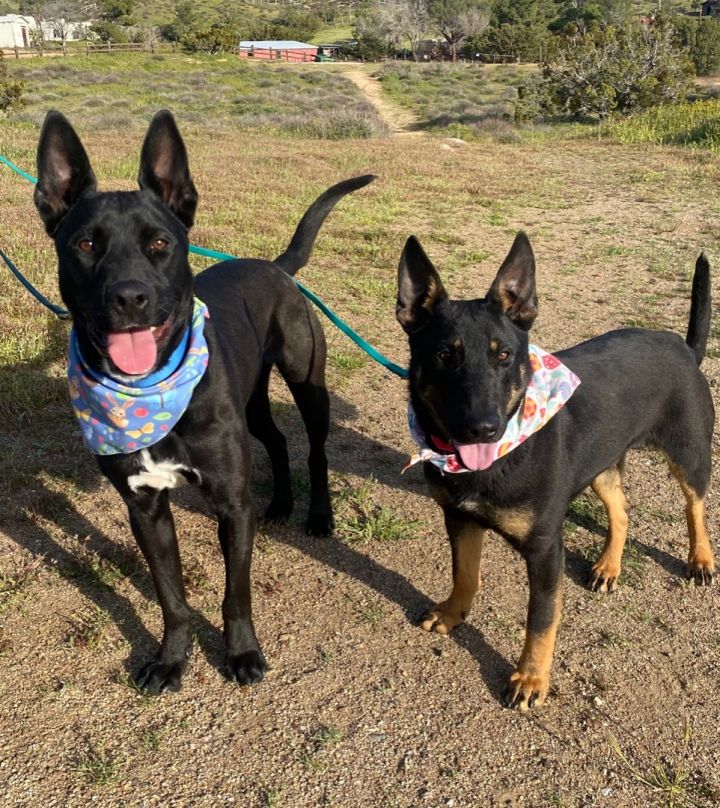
[
  {"x": 63, "y": 314},
  {"x": 335, "y": 319}
]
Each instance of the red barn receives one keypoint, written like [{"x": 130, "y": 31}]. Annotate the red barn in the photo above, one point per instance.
[{"x": 287, "y": 50}]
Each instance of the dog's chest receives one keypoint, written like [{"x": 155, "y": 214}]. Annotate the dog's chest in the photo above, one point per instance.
[
  {"x": 161, "y": 474},
  {"x": 515, "y": 522}
]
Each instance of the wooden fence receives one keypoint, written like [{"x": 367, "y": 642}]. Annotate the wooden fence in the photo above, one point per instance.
[{"x": 98, "y": 47}]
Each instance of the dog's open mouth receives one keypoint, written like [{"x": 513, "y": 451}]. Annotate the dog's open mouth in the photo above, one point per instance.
[
  {"x": 475, "y": 456},
  {"x": 135, "y": 351}
]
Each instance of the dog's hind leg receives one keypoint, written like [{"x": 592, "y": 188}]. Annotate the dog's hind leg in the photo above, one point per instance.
[
  {"x": 701, "y": 564},
  {"x": 466, "y": 543},
  {"x": 608, "y": 486},
  {"x": 302, "y": 365},
  {"x": 313, "y": 402},
  {"x": 262, "y": 427},
  {"x": 154, "y": 530}
]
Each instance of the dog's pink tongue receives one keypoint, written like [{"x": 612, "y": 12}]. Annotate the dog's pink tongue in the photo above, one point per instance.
[
  {"x": 477, "y": 456},
  {"x": 133, "y": 352}
]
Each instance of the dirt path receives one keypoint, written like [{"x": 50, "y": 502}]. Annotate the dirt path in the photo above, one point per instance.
[{"x": 401, "y": 121}]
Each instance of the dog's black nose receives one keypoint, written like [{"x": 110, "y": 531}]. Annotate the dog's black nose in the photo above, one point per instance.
[
  {"x": 485, "y": 429},
  {"x": 129, "y": 298}
]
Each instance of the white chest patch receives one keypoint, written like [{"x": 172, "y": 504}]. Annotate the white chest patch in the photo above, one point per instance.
[{"x": 164, "y": 474}]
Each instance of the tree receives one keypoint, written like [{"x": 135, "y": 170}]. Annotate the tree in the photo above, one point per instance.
[
  {"x": 405, "y": 20},
  {"x": 611, "y": 69},
  {"x": 457, "y": 20},
  {"x": 62, "y": 15},
  {"x": 700, "y": 39},
  {"x": 223, "y": 35},
  {"x": 529, "y": 43},
  {"x": 183, "y": 23},
  {"x": 117, "y": 11},
  {"x": 374, "y": 41},
  {"x": 294, "y": 24},
  {"x": 582, "y": 13}
]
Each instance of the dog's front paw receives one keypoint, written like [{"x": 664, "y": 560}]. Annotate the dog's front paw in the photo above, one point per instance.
[
  {"x": 442, "y": 618},
  {"x": 701, "y": 569},
  {"x": 320, "y": 524},
  {"x": 526, "y": 690},
  {"x": 247, "y": 668},
  {"x": 603, "y": 577},
  {"x": 161, "y": 676}
]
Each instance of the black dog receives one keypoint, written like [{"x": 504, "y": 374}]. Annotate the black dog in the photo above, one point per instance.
[
  {"x": 125, "y": 277},
  {"x": 469, "y": 372}
]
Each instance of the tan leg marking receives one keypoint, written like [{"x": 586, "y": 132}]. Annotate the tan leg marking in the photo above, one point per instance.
[
  {"x": 528, "y": 686},
  {"x": 467, "y": 541},
  {"x": 608, "y": 487},
  {"x": 701, "y": 564}
]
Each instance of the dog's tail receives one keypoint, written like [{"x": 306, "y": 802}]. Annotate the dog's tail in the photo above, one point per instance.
[
  {"x": 299, "y": 249},
  {"x": 700, "y": 309}
]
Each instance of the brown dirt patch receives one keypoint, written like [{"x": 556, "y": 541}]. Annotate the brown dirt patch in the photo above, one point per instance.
[{"x": 400, "y": 121}]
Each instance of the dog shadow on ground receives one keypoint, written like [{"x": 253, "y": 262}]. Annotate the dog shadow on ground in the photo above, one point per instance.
[
  {"x": 577, "y": 566},
  {"x": 48, "y": 463}
]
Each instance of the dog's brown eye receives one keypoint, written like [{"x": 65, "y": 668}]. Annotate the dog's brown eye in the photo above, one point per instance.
[
  {"x": 158, "y": 245},
  {"x": 85, "y": 245},
  {"x": 444, "y": 355},
  {"x": 503, "y": 356}
]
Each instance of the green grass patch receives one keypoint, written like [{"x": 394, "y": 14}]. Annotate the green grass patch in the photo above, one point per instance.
[
  {"x": 117, "y": 92},
  {"x": 466, "y": 101},
  {"x": 692, "y": 124},
  {"x": 98, "y": 766},
  {"x": 359, "y": 518}
]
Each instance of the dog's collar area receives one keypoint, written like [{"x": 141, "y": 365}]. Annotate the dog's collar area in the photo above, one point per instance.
[
  {"x": 549, "y": 388},
  {"x": 120, "y": 418}
]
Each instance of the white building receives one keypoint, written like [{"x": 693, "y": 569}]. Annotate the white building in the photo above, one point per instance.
[{"x": 16, "y": 31}]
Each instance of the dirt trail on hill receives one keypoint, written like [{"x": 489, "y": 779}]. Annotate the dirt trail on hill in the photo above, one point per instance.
[{"x": 401, "y": 121}]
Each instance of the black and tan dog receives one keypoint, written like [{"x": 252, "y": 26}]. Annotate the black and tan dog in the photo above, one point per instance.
[
  {"x": 469, "y": 370},
  {"x": 125, "y": 278}
]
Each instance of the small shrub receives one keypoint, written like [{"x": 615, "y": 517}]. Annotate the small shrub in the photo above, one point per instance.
[{"x": 10, "y": 90}]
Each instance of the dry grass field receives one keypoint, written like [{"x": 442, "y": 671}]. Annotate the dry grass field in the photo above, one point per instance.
[{"x": 361, "y": 708}]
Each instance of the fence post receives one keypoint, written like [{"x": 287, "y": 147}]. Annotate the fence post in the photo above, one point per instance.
[{"x": 17, "y": 52}]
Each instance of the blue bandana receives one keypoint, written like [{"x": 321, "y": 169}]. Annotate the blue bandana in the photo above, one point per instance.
[{"x": 118, "y": 419}]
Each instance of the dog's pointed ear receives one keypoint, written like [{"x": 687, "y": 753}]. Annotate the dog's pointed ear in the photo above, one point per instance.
[
  {"x": 164, "y": 168},
  {"x": 64, "y": 172},
  {"x": 419, "y": 287},
  {"x": 514, "y": 286}
]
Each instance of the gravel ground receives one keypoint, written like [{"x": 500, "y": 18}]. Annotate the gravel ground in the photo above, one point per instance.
[{"x": 361, "y": 708}]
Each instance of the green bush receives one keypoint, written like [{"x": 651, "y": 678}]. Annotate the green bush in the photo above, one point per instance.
[
  {"x": 107, "y": 31},
  {"x": 214, "y": 38},
  {"x": 606, "y": 69},
  {"x": 528, "y": 43},
  {"x": 700, "y": 39},
  {"x": 10, "y": 90}
]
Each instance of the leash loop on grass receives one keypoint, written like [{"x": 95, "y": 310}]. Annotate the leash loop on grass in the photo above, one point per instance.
[
  {"x": 63, "y": 314},
  {"x": 337, "y": 321}
]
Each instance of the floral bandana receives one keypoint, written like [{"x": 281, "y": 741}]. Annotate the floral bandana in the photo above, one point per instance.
[
  {"x": 118, "y": 419},
  {"x": 550, "y": 386}
]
